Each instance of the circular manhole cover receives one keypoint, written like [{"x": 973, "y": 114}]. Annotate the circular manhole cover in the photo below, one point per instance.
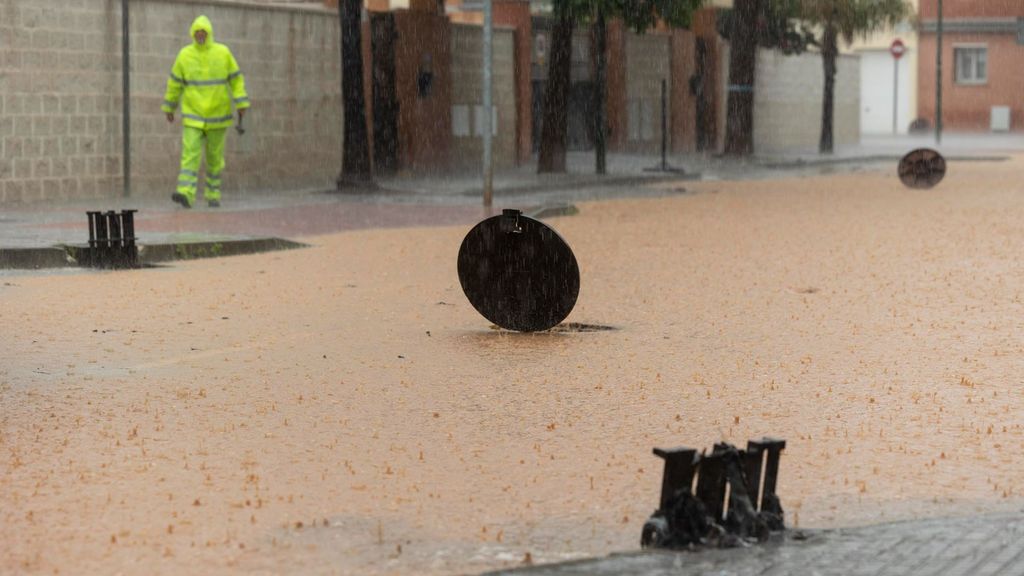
[
  {"x": 518, "y": 273},
  {"x": 922, "y": 168}
]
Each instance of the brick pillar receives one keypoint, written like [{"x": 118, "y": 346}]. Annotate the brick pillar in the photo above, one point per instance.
[
  {"x": 704, "y": 28},
  {"x": 516, "y": 14},
  {"x": 423, "y": 77},
  {"x": 618, "y": 117}
]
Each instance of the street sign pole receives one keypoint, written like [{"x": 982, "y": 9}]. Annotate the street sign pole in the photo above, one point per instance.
[
  {"x": 895, "y": 94},
  {"x": 897, "y": 49}
]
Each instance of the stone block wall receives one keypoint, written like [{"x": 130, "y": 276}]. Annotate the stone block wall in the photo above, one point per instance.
[
  {"x": 60, "y": 96},
  {"x": 648, "y": 62},
  {"x": 788, "y": 99},
  {"x": 467, "y": 97}
]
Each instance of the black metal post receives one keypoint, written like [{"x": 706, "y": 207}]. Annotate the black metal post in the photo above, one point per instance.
[
  {"x": 664, "y": 126},
  {"x": 680, "y": 464},
  {"x": 895, "y": 95},
  {"x": 126, "y": 123},
  {"x": 92, "y": 228},
  {"x": 938, "y": 78},
  {"x": 711, "y": 481},
  {"x": 128, "y": 225}
]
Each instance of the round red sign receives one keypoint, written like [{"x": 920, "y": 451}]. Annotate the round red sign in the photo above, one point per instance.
[{"x": 897, "y": 48}]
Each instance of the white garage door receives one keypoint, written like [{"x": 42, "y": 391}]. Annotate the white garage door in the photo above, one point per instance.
[{"x": 876, "y": 93}]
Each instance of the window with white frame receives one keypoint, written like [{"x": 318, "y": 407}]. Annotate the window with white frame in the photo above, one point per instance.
[{"x": 971, "y": 64}]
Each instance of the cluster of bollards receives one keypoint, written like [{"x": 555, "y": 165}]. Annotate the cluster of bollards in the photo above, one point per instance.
[
  {"x": 722, "y": 499},
  {"x": 111, "y": 241}
]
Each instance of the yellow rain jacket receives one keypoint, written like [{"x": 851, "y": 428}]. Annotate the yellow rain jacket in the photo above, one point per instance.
[{"x": 206, "y": 79}]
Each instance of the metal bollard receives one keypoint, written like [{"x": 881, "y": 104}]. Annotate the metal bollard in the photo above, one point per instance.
[
  {"x": 734, "y": 499},
  {"x": 680, "y": 464},
  {"x": 768, "y": 451},
  {"x": 111, "y": 240},
  {"x": 711, "y": 483}
]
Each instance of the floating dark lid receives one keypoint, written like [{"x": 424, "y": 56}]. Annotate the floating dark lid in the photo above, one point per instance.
[
  {"x": 922, "y": 168},
  {"x": 518, "y": 273}
]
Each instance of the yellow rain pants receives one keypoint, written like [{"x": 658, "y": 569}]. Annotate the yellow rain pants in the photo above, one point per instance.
[{"x": 193, "y": 141}]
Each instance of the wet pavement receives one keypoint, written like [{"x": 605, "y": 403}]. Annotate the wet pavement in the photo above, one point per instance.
[
  {"x": 989, "y": 545},
  {"x": 343, "y": 409},
  {"x": 29, "y": 232}
]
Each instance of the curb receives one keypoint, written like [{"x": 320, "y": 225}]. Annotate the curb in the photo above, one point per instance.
[
  {"x": 63, "y": 256},
  {"x": 802, "y": 163},
  {"x": 981, "y": 544},
  {"x": 157, "y": 253},
  {"x": 552, "y": 211},
  {"x": 33, "y": 258},
  {"x": 589, "y": 182}
]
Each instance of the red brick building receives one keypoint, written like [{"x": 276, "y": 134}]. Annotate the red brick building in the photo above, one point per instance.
[{"x": 982, "y": 65}]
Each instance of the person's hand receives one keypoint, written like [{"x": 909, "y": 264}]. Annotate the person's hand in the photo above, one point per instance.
[
  {"x": 170, "y": 117},
  {"x": 241, "y": 113}
]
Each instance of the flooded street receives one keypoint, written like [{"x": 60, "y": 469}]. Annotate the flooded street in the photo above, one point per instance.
[{"x": 342, "y": 409}]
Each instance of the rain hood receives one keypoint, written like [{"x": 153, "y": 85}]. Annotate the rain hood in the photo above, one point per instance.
[{"x": 201, "y": 23}]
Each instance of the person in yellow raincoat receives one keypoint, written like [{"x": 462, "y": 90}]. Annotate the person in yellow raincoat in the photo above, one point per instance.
[{"x": 206, "y": 81}]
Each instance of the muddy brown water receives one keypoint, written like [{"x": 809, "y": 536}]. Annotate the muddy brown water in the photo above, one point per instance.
[{"x": 343, "y": 409}]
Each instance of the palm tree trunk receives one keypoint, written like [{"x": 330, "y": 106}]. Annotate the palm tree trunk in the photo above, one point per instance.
[
  {"x": 355, "y": 163},
  {"x": 829, "y": 51},
  {"x": 555, "y": 127},
  {"x": 739, "y": 120}
]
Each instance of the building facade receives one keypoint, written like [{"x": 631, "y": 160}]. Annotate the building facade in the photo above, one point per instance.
[
  {"x": 888, "y": 85},
  {"x": 982, "y": 57}
]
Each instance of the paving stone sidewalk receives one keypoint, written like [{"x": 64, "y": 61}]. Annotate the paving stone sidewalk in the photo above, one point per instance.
[{"x": 970, "y": 546}]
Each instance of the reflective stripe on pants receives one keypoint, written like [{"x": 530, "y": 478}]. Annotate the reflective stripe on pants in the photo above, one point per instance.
[{"x": 193, "y": 141}]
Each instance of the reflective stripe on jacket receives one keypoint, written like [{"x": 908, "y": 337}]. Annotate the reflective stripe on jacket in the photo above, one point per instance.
[{"x": 206, "y": 81}]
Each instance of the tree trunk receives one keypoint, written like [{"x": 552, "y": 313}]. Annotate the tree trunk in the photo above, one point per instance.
[
  {"x": 739, "y": 120},
  {"x": 600, "y": 93},
  {"x": 355, "y": 164},
  {"x": 829, "y": 49},
  {"x": 555, "y": 126}
]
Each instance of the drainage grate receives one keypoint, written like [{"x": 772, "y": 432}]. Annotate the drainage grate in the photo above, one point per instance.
[{"x": 577, "y": 327}]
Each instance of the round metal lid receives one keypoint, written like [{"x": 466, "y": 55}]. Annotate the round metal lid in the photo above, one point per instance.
[
  {"x": 922, "y": 168},
  {"x": 518, "y": 273}
]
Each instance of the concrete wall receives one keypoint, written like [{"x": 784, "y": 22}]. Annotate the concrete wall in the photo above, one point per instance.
[
  {"x": 648, "y": 62},
  {"x": 60, "y": 105},
  {"x": 788, "y": 93},
  {"x": 788, "y": 99},
  {"x": 467, "y": 97},
  {"x": 515, "y": 14}
]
